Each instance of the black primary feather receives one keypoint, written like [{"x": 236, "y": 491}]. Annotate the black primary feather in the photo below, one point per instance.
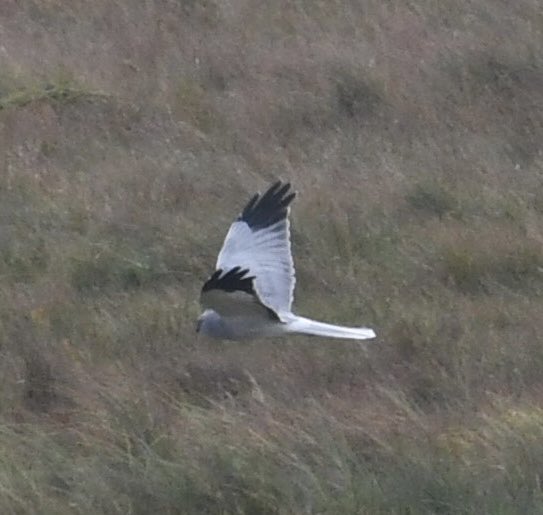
[
  {"x": 268, "y": 209},
  {"x": 234, "y": 280}
]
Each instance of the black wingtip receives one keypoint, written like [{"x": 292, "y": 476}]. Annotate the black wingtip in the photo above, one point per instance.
[
  {"x": 270, "y": 208},
  {"x": 235, "y": 279}
]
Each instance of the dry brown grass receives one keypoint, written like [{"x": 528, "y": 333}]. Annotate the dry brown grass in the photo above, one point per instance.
[{"x": 131, "y": 131}]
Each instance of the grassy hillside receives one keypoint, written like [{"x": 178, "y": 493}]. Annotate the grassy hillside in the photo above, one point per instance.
[{"x": 132, "y": 132}]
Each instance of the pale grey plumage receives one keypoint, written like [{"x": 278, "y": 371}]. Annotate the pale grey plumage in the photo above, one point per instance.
[{"x": 250, "y": 294}]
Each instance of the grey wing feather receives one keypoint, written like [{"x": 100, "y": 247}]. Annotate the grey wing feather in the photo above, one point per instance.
[
  {"x": 232, "y": 294},
  {"x": 259, "y": 241}
]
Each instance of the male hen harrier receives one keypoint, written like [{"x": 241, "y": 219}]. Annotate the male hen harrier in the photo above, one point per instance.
[{"x": 250, "y": 293}]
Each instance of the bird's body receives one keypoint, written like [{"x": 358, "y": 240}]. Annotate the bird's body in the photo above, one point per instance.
[
  {"x": 239, "y": 327},
  {"x": 250, "y": 294}
]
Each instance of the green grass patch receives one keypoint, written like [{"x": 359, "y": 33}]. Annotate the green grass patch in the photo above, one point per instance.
[
  {"x": 312, "y": 464},
  {"x": 63, "y": 91},
  {"x": 24, "y": 260},
  {"x": 101, "y": 271},
  {"x": 193, "y": 106},
  {"x": 473, "y": 269},
  {"x": 432, "y": 198}
]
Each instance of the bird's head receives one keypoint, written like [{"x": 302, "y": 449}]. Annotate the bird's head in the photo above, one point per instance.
[{"x": 209, "y": 322}]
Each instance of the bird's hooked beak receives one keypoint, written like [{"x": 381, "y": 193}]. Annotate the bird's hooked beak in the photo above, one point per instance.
[{"x": 198, "y": 324}]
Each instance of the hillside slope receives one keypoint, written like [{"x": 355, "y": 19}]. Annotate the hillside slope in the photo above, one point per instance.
[{"x": 131, "y": 134}]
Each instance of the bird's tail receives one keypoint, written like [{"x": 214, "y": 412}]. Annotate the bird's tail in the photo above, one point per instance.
[{"x": 301, "y": 325}]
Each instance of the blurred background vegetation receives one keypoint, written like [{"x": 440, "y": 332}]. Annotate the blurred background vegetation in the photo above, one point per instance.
[{"x": 132, "y": 132}]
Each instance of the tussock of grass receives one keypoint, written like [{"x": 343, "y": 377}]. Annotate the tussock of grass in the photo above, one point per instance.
[
  {"x": 108, "y": 271},
  {"x": 433, "y": 199},
  {"x": 23, "y": 261},
  {"x": 193, "y": 107},
  {"x": 473, "y": 269},
  {"x": 61, "y": 92},
  {"x": 356, "y": 97}
]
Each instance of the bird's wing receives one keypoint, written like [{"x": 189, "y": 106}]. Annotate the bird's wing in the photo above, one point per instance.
[
  {"x": 232, "y": 294},
  {"x": 259, "y": 241}
]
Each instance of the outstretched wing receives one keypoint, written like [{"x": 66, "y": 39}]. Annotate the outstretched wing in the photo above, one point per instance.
[
  {"x": 232, "y": 294},
  {"x": 259, "y": 241}
]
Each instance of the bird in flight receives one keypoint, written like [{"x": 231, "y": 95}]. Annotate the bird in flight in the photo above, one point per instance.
[{"x": 251, "y": 291}]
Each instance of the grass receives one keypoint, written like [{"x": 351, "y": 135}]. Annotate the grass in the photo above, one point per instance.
[
  {"x": 19, "y": 92},
  {"x": 127, "y": 149}
]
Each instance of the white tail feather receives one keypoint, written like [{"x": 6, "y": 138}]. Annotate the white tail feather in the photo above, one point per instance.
[{"x": 301, "y": 325}]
